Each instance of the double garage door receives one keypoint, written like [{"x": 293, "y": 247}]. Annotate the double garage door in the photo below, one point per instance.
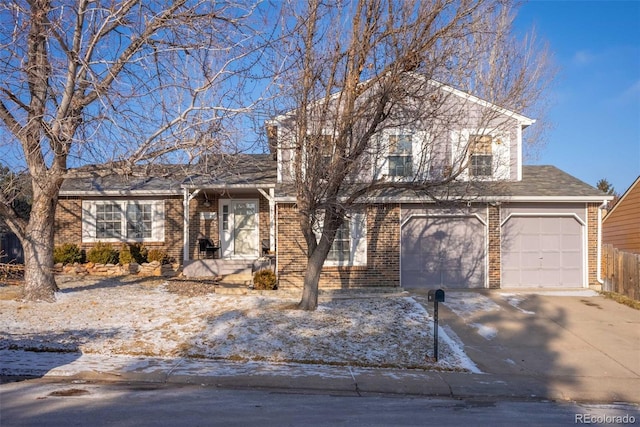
[{"x": 451, "y": 252}]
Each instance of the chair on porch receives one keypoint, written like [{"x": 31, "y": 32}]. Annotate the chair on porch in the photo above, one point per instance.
[
  {"x": 206, "y": 247},
  {"x": 265, "y": 247}
]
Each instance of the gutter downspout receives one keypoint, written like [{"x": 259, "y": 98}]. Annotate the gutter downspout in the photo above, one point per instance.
[
  {"x": 185, "y": 221},
  {"x": 599, "y": 251}
]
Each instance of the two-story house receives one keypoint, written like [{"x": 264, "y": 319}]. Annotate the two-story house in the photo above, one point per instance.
[{"x": 495, "y": 224}]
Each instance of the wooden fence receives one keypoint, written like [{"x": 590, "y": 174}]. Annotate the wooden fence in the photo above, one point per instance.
[{"x": 621, "y": 272}]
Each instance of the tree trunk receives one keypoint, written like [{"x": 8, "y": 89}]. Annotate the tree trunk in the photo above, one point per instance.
[
  {"x": 315, "y": 262},
  {"x": 40, "y": 284},
  {"x": 311, "y": 281}
]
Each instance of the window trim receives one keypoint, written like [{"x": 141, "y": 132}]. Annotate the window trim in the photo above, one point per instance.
[
  {"x": 90, "y": 221},
  {"x": 395, "y": 153}
]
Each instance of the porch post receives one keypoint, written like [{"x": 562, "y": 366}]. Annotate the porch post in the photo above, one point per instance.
[
  {"x": 272, "y": 215},
  {"x": 272, "y": 219},
  {"x": 185, "y": 225}
]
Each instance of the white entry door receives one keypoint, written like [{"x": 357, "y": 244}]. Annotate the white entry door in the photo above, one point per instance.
[{"x": 239, "y": 228}]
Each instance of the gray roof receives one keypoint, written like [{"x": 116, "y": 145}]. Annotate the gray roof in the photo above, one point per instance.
[
  {"x": 538, "y": 183},
  {"x": 260, "y": 171},
  {"x": 240, "y": 171},
  {"x": 228, "y": 171}
]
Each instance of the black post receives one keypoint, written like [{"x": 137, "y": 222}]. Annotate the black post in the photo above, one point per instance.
[
  {"x": 435, "y": 295},
  {"x": 435, "y": 330}
]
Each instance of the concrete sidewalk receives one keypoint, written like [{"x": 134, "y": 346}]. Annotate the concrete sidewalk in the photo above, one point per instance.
[
  {"x": 293, "y": 377},
  {"x": 545, "y": 347}
]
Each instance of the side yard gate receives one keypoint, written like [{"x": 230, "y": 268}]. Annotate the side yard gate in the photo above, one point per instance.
[{"x": 621, "y": 272}]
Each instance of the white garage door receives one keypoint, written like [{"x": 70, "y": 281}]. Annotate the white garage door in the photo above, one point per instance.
[
  {"x": 444, "y": 252},
  {"x": 542, "y": 252}
]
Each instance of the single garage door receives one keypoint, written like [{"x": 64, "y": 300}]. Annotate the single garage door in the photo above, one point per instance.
[
  {"x": 443, "y": 252},
  {"x": 542, "y": 252}
]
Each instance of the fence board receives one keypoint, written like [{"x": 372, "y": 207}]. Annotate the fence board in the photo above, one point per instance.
[{"x": 621, "y": 272}]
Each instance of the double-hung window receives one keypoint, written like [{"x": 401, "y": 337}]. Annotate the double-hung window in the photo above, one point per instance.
[
  {"x": 108, "y": 221},
  {"x": 400, "y": 155},
  {"x": 481, "y": 155},
  {"x": 122, "y": 220},
  {"x": 341, "y": 248},
  {"x": 139, "y": 221}
]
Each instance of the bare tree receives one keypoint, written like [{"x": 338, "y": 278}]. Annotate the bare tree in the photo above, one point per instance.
[
  {"x": 355, "y": 69},
  {"x": 111, "y": 82}
]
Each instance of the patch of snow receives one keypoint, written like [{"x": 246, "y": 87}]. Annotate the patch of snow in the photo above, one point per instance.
[
  {"x": 452, "y": 339},
  {"x": 515, "y": 300},
  {"x": 140, "y": 319},
  {"x": 487, "y": 332},
  {"x": 469, "y": 304}
]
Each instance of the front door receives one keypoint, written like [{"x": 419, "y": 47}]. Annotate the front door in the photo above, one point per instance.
[{"x": 239, "y": 228}]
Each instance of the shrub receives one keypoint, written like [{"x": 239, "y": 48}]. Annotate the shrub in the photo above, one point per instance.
[
  {"x": 138, "y": 252},
  {"x": 265, "y": 280},
  {"x": 68, "y": 253},
  {"x": 158, "y": 255},
  {"x": 102, "y": 253},
  {"x": 125, "y": 256}
]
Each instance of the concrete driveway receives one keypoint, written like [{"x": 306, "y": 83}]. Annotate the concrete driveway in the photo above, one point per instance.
[{"x": 578, "y": 344}]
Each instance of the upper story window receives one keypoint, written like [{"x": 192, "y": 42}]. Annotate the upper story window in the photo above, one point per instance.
[
  {"x": 400, "y": 155},
  {"x": 481, "y": 155}
]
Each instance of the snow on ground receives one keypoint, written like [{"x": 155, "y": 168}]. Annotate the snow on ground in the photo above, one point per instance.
[
  {"x": 468, "y": 304},
  {"x": 515, "y": 300},
  {"x": 142, "y": 317}
]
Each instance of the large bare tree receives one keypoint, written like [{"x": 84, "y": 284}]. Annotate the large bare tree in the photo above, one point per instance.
[
  {"x": 357, "y": 68},
  {"x": 118, "y": 82}
]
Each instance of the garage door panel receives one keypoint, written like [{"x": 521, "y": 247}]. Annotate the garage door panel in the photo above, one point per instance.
[
  {"x": 443, "y": 252},
  {"x": 547, "y": 253}
]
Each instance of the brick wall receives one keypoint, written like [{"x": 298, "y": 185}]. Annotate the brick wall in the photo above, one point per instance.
[
  {"x": 383, "y": 252},
  {"x": 495, "y": 270},
  {"x": 592, "y": 243},
  {"x": 68, "y": 226}
]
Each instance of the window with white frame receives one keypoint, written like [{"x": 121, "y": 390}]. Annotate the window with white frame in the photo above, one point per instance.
[
  {"x": 108, "y": 221},
  {"x": 400, "y": 155},
  {"x": 341, "y": 248},
  {"x": 349, "y": 247},
  {"x": 481, "y": 155},
  {"x": 139, "y": 220},
  {"x": 122, "y": 220}
]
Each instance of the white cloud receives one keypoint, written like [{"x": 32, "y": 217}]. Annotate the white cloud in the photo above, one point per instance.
[{"x": 583, "y": 57}]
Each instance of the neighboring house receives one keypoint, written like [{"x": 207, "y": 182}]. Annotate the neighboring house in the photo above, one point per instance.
[
  {"x": 621, "y": 225},
  {"x": 506, "y": 225},
  {"x": 10, "y": 247}
]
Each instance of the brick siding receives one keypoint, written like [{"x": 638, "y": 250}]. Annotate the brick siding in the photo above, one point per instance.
[
  {"x": 495, "y": 270},
  {"x": 383, "y": 252},
  {"x": 592, "y": 243},
  {"x": 68, "y": 226}
]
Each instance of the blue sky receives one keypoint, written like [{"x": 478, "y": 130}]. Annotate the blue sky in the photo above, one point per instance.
[{"x": 595, "y": 100}]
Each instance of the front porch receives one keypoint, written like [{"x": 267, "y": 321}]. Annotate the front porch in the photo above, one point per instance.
[{"x": 231, "y": 269}]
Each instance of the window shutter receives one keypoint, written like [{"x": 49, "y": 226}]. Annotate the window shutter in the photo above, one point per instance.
[
  {"x": 88, "y": 221},
  {"x": 158, "y": 221},
  {"x": 358, "y": 233},
  {"x": 501, "y": 157}
]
